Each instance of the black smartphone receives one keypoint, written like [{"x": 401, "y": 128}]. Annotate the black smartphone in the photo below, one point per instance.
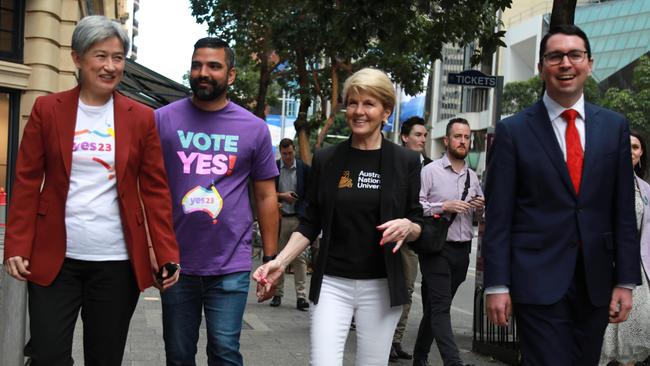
[{"x": 171, "y": 270}]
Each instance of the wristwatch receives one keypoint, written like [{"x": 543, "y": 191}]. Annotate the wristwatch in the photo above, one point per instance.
[{"x": 268, "y": 258}]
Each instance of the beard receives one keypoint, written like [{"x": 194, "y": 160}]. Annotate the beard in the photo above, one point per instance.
[
  {"x": 214, "y": 91},
  {"x": 458, "y": 154}
]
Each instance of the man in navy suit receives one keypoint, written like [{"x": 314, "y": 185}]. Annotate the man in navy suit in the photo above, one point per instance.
[{"x": 561, "y": 248}]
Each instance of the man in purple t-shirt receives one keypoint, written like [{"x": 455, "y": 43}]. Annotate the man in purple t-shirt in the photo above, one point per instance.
[{"x": 211, "y": 147}]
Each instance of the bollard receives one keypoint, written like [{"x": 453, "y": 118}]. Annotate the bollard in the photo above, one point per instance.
[{"x": 3, "y": 207}]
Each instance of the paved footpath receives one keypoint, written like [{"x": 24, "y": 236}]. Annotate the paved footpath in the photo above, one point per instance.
[{"x": 271, "y": 336}]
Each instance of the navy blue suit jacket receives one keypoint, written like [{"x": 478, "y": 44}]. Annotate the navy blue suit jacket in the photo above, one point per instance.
[
  {"x": 302, "y": 174},
  {"x": 536, "y": 224}
]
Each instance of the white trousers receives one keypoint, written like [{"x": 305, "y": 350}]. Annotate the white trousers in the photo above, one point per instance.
[{"x": 341, "y": 299}]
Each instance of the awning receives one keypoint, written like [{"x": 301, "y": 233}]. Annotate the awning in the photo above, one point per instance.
[{"x": 149, "y": 87}]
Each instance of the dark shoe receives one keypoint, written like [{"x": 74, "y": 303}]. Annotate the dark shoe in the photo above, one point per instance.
[
  {"x": 614, "y": 363},
  {"x": 276, "y": 301},
  {"x": 302, "y": 304},
  {"x": 417, "y": 362},
  {"x": 399, "y": 352},
  {"x": 392, "y": 356}
]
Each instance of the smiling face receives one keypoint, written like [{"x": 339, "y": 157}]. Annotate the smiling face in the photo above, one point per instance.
[
  {"x": 365, "y": 114},
  {"x": 565, "y": 81},
  {"x": 101, "y": 67},
  {"x": 209, "y": 74}
]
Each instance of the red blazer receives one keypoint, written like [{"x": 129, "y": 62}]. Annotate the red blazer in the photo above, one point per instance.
[{"x": 36, "y": 219}]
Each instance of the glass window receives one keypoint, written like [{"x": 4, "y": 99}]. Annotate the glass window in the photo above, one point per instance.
[
  {"x": 9, "y": 106},
  {"x": 11, "y": 30}
]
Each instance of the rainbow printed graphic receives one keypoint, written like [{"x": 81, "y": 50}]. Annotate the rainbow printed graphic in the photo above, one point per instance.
[{"x": 203, "y": 199}]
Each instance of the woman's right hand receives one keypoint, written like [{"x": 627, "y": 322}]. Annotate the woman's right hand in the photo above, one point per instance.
[
  {"x": 17, "y": 267},
  {"x": 267, "y": 276}
]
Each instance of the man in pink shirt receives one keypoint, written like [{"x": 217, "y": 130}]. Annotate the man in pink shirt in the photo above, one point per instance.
[{"x": 449, "y": 188}]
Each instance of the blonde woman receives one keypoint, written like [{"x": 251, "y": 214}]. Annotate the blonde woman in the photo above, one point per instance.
[{"x": 364, "y": 196}]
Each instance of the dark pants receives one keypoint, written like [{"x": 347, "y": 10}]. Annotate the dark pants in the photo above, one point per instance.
[
  {"x": 566, "y": 333},
  {"x": 442, "y": 274},
  {"x": 106, "y": 292}
]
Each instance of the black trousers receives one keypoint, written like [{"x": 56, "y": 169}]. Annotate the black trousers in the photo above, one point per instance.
[
  {"x": 442, "y": 274},
  {"x": 566, "y": 333},
  {"x": 106, "y": 292}
]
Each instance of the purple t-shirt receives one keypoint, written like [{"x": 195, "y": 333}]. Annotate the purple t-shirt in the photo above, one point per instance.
[{"x": 209, "y": 157}]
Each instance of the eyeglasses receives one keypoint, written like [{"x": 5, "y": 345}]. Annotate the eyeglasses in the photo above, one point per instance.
[{"x": 555, "y": 58}]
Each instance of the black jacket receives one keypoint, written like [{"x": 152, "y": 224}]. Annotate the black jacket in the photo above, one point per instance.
[{"x": 400, "y": 189}]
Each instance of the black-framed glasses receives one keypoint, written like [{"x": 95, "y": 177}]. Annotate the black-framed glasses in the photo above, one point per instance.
[{"x": 555, "y": 58}]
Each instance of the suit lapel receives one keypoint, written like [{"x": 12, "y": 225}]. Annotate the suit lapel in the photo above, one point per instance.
[
  {"x": 122, "y": 113},
  {"x": 66, "y": 120},
  {"x": 593, "y": 129},
  {"x": 537, "y": 119}
]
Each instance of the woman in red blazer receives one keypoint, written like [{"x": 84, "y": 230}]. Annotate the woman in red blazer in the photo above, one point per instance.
[{"x": 89, "y": 171}]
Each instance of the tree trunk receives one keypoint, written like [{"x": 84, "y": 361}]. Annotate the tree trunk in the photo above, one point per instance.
[
  {"x": 265, "y": 76},
  {"x": 563, "y": 12},
  {"x": 301, "y": 124},
  {"x": 335, "y": 104}
]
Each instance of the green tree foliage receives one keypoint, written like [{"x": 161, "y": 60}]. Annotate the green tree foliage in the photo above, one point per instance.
[
  {"x": 634, "y": 104},
  {"x": 518, "y": 95},
  {"x": 323, "y": 42}
]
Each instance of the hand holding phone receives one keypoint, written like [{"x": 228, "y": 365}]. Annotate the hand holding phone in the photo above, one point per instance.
[
  {"x": 171, "y": 270},
  {"x": 294, "y": 195}
]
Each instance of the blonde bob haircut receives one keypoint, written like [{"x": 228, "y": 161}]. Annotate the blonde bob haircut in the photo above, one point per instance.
[{"x": 374, "y": 82}]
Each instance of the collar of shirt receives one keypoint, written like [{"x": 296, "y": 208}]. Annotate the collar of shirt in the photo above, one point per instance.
[
  {"x": 555, "y": 109},
  {"x": 559, "y": 124},
  {"x": 447, "y": 165},
  {"x": 293, "y": 166}
]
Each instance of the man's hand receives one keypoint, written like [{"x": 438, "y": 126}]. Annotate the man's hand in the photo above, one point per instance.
[
  {"x": 477, "y": 202},
  {"x": 289, "y": 197},
  {"x": 499, "y": 308},
  {"x": 621, "y": 305},
  {"x": 17, "y": 267},
  {"x": 456, "y": 206}
]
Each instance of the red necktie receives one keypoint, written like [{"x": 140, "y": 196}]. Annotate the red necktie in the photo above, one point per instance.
[{"x": 574, "y": 153}]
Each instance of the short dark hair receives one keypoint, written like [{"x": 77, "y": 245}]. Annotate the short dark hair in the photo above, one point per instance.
[
  {"x": 407, "y": 125},
  {"x": 451, "y": 122},
  {"x": 642, "y": 167},
  {"x": 286, "y": 142},
  {"x": 568, "y": 29},
  {"x": 214, "y": 42}
]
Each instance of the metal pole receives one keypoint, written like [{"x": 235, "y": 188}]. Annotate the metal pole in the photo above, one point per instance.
[
  {"x": 396, "y": 113},
  {"x": 13, "y": 313},
  {"x": 282, "y": 115}
]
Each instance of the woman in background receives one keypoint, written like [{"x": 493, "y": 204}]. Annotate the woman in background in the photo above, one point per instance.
[{"x": 629, "y": 342}]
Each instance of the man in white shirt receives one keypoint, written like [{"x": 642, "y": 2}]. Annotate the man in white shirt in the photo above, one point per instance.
[{"x": 560, "y": 247}]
